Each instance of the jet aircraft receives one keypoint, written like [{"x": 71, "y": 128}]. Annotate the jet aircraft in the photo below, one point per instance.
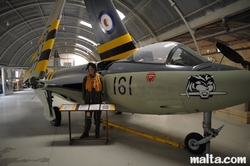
[{"x": 162, "y": 78}]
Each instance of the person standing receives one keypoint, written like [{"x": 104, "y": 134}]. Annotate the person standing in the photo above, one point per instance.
[{"x": 93, "y": 92}]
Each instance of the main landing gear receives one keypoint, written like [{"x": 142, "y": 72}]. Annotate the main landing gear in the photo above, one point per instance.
[
  {"x": 58, "y": 119},
  {"x": 196, "y": 143},
  {"x": 46, "y": 98}
]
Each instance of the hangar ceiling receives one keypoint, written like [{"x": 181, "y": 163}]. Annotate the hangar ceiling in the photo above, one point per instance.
[{"x": 148, "y": 21}]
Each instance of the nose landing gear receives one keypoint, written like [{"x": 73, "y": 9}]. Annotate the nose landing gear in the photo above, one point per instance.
[
  {"x": 191, "y": 143},
  {"x": 196, "y": 143}
]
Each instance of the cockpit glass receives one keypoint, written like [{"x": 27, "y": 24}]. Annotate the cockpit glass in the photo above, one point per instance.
[
  {"x": 183, "y": 56},
  {"x": 171, "y": 53},
  {"x": 155, "y": 53}
]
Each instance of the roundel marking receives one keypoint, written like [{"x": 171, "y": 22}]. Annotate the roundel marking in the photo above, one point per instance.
[{"x": 106, "y": 22}]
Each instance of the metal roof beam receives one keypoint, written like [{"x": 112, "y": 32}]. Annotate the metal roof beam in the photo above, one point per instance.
[
  {"x": 19, "y": 37},
  {"x": 202, "y": 21},
  {"x": 139, "y": 17},
  {"x": 186, "y": 23},
  {"x": 40, "y": 3}
]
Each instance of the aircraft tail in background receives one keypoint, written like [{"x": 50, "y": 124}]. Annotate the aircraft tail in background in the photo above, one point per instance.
[
  {"x": 39, "y": 60},
  {"x": 114, "y": 39}
]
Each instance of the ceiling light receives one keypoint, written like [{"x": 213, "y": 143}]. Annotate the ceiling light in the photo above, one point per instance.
[
  {"x": 76, "y": 49},
  {"x": 86, "y": 24},
  {"x": 83, "y": 47},
  {"x": 7, "y": 23},
  {"x": 88, "y": 40}
]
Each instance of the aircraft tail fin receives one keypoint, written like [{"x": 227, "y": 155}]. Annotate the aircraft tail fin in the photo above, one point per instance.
[
  {"x": 39, "y": 60},
  {"x": 114, "y": 39}
]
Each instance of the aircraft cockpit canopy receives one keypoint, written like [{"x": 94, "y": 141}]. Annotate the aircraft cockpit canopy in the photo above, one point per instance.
[
  {"x": 171, "y": 53},
  {"x": 184, "y": 56}
]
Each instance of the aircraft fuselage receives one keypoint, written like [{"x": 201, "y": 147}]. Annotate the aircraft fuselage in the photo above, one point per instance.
[
  {"x": 174, "y": 92},
  {"x": 165, "y": 78}
]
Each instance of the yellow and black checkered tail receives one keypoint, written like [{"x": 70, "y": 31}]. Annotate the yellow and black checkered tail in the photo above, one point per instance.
[
  {"x": 39, "y": 60},
  {"x": 109, "y": 30}
]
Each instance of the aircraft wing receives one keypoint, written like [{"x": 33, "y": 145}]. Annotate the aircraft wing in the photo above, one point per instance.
[
  {"x": 69, "y": 87},
  {"x": 65, "y": 80},
  {"x": 39, "y": 60}
]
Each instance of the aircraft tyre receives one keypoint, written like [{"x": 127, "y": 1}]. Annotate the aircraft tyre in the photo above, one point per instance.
[
  {"x": 118, "y": 112},
  {"x": 57, "y": 121},
  {"x": 190, "y": 139}
]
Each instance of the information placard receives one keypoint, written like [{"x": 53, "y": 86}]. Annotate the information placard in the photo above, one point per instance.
[
  {"x": 94, "y": 107},
  {"x": 83, "y": 107}
]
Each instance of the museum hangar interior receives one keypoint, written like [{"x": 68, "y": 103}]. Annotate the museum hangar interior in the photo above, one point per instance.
[{"x": 27, "y": 138}]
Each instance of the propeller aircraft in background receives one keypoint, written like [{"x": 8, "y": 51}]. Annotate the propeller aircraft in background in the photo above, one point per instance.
[{"x": 162, "y": 78}]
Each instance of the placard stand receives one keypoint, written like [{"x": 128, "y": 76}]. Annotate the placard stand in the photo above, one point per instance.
[{"x": 87, "y": 107}]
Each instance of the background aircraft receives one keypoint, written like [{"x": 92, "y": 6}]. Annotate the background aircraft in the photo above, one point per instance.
[{"x": 162, "y": 78}]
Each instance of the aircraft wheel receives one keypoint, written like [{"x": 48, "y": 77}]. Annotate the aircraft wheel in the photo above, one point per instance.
[
  {"x": 118, "y": 112},
  {"x": 57, "y": 121},
  {"x": 190, "y": 139}
]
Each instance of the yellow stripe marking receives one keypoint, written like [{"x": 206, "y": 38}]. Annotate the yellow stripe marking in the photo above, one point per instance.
[
  {"x": 48, "y": 75},
  {"x": 41, "y": 66},
  {"x": 52, "y": 74},
  {"x": 33, "y": 56},
  {"x": 114, "y": 43},
  {"x": 54, "y": 25},
  {"x": 27, "y": 74},
  {"x": 120, "y": 56},
  {"x": 48, "y": 44},
  {"x": 159, "y": 139}
]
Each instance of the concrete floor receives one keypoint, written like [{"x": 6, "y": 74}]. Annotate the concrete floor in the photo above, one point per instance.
[{"x": 28, "y": 139}]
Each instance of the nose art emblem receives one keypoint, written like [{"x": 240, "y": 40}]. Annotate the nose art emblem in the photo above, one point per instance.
[{"x": 150, "y": 76}]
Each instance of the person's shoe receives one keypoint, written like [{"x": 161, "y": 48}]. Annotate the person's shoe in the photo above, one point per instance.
[
  {"x": 97, "y": 134},
  {"x": 84, "y": 135}
]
